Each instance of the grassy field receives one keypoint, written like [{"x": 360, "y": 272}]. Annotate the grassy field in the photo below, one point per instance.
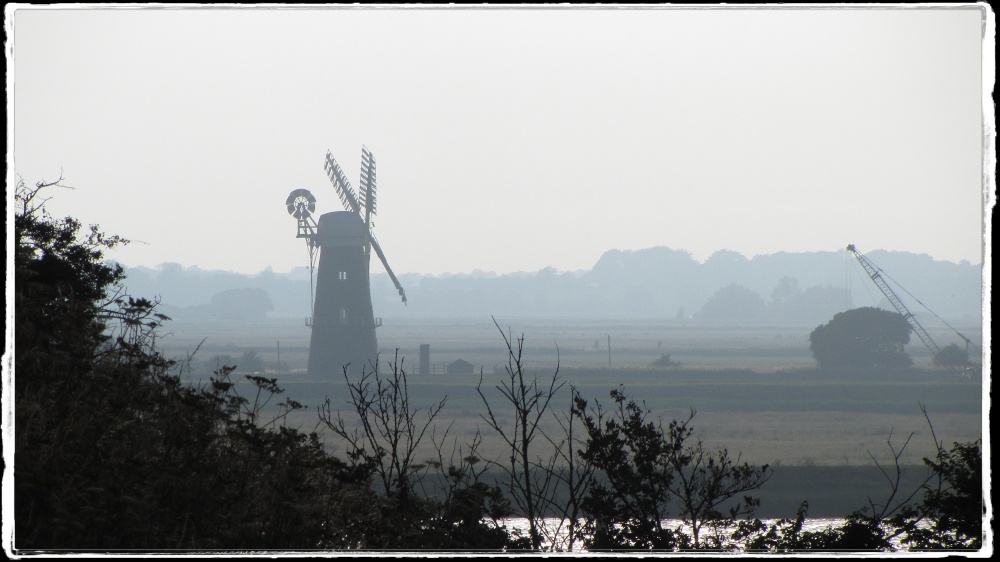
[
  {"x": 574, "y": 343},
  {"x": 793, "y": 419},
  {"x": 755, "y": 389}
]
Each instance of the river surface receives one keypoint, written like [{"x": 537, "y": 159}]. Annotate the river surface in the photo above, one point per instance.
[{"x": 520, "y": 524}]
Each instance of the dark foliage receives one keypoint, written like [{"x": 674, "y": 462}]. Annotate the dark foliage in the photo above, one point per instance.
[
  {"x": 732, "y": 302},
  {"x": 113, "y": 452},
  {"x": 250, "y": 362},
  {"x": 647, "y": 469},
  {"x": 529, "y": 480},
  {"x": 952, "y": 356},
  {"x": 384, "y": 440},
  {"x": 954, "y": 506},
  {"x": 949, "y": 517},
  {"x": 861, "y": 338},
  {"x": 859, "y": 533},
  {"x": 664, "y": 361}
]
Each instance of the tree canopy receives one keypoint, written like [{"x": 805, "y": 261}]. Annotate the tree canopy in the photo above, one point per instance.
[
  {"x": 862, "y": 337},
  {"x": 732, "y": 302},
  {"x": 952, "y": 356}
]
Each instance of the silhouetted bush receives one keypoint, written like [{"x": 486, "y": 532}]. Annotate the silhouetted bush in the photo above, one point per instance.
[
  {"x": 952, "y": 356},
  {"x": 732, "y": 302},
  {"x": 862, "y": 337},
  {"x": 646, "y": 470},
  {"x": 384, "y": 440}
]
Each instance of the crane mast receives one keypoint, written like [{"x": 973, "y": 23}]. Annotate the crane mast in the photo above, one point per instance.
[{"x": 873, "y": 272}]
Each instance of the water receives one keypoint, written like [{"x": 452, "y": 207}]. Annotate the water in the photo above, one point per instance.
[{"x": 520, "y": 524}]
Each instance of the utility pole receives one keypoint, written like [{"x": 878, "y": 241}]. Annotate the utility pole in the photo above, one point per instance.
[{"x": 609, "y": 351}]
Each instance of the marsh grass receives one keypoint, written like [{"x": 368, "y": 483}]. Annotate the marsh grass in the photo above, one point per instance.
[{"x": 756, "y": 390}]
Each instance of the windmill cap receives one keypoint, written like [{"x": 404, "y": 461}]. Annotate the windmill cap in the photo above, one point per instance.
[{"x": 341, "y": 228}]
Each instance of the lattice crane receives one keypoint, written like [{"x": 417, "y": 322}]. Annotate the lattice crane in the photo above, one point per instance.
[{"x": 876, "y": 276}]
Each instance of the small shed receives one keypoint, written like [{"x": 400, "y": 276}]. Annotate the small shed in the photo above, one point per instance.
[{"x": 459, "y": 367}]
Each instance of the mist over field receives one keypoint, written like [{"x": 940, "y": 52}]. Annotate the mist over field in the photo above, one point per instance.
[
  {"x": 798, "y": 289},
  {"x": 616, "y": 324}
]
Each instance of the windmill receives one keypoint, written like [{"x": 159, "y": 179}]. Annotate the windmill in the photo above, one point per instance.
[{"x": 343, "y": 324}]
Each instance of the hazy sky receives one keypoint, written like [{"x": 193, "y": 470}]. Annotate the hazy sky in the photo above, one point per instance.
[{"x": 508, "y": 139}]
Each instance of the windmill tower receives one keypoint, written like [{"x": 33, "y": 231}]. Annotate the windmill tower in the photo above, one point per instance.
[{"x": 343, "y": 323}]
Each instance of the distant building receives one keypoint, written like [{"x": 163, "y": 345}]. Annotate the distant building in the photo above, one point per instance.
[
  {"x": 343, "y": 324},
  {"x": 425, "y": 359},
  {"x": 459, "y": 367}
]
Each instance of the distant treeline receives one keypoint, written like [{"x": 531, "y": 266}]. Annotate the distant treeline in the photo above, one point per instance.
[{"x": 803, "y": 289}]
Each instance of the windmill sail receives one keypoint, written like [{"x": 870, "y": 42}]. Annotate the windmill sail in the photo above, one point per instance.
[
  {"x": 367, "y": 202},
  {"x": 368, "y": 193},
  {"x": 368, "y": 182},
  {"x": 343, "y": 187},
  {"x": 381, "y": 256}
]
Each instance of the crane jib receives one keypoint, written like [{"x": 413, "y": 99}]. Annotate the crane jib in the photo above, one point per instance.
[{"x": 876, "y": 278}]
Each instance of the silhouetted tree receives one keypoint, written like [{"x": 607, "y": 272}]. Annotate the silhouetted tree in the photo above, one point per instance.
[
  {"x": 470, "y": 513},
  {"x": 572, "y": 476},
  {"x": 952, "y": 356},
  {"x": 790, "y": 303},
  {"x": 732, "y": 302},
  {"x": 250, "y": 362},
  {"x": 389, "y": 429},
  {"x": 954, "y": 502},
  {"x": 385, "y": 439},
  {"x": 529, "y": 480},
  {"x": 646, "y": 469},
  {"x": 787, "y": 288},
  {"x": 664, "y": 361},
  {"x": 811, "y": 305},
  {"x": 862, "y": 337}
]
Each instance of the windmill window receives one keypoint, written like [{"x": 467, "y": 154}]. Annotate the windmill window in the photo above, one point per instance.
[
  {"x": 342, "y": 275},
  {"x": 343, "y": 316}
]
